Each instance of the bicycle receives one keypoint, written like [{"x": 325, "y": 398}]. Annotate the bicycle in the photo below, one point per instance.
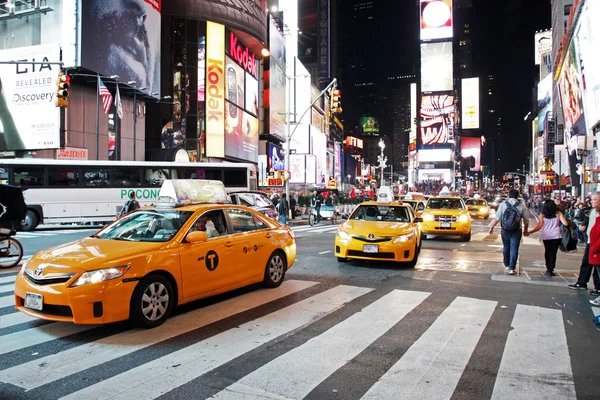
[
  {"x": 313, "y": 217},
  {"x": 11, "y": 250}
]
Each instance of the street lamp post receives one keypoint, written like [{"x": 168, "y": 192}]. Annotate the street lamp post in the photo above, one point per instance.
[{"x": 382, "y": 159}]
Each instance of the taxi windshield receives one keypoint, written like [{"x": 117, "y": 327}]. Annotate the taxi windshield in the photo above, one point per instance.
[
  {"x": 476, "y": 202},
  {"x": 146, "y": 226},
  {"x": 381, "y": 213},
  {"x": 445, "y": 204}
]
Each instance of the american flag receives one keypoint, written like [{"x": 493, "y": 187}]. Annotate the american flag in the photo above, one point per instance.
[{"x": 106, "y": 96}]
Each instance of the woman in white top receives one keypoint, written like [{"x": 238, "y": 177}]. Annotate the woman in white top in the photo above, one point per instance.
[{"x": 550, "y": 220}]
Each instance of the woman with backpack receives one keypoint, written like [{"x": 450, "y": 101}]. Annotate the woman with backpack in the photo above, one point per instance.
[{"x": 550, "y": 220}]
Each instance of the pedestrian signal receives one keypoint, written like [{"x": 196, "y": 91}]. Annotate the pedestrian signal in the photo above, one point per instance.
[{"x": 63, "y": 84}]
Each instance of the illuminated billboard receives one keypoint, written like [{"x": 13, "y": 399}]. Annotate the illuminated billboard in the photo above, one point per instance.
[
  {"x": 470, "y": 152},
  {"x": 435, "y": 114},
  {"x": 215, "y": 88},
  {"x": 571, "y": 97},
  {"x": 275, "y": 158},
  {"x": 436, "y": 19},
  {"x": 241, "y": 134},
  {"x": 413, "y": 112},
  {"x": 29, "y": 120},
  {"x": 543, "y": 44},
  {"x": 587, "y": 40},
  {"x": 369, "y": 125},
  {"x": 276, "y": 82},
  {"x": 470, "y": 103},
  {"x": 436, "y": 67},
  {"x": 119, "y": 38}
]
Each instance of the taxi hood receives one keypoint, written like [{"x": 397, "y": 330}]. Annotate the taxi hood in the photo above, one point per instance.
[
  {"x": 362, "y": 227},
  {"x": 92, "y": 253}
]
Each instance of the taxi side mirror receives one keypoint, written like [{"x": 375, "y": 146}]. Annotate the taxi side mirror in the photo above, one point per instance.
[
  {"x": 196, "y": 237},
  {"x": 418, "y": 219}
]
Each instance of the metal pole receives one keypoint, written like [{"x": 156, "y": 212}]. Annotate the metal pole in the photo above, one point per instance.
[
  {"x": 97, "y": 117},
  {"x": 381, "y": 184},
  {"x": 288, "y": 137},
  {"x": 134, "y": 123},
  {"x": 559, "y": 169}
]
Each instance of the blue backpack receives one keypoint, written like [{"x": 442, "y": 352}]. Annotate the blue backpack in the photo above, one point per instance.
[{"x": 511, "y": 218}]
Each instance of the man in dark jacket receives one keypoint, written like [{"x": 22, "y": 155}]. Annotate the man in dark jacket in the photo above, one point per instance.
[{"x": 293, "y": 206}]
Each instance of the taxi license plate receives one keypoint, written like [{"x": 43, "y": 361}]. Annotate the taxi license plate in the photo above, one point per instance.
[
  {"x": 445, "y": 224},
  {"x": 34, "y": 301},
  {"x": 370, "y": 248}
]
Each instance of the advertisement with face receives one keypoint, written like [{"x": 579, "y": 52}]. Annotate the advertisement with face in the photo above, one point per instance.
[
  {"x": 436, "y": 67},
  {"x": 234, "y": 75},
  {"x": 587, "y": 40},
  {"x": 470, "y": 103},
  {"x": 435, "y": 118},
  {"x": 29, "y": 119},
  {"x": 436, "y": 19},
  {"x": 369, "y": 125},
  {"x": 241, "y": 134},
  {"x": 571, "y": 95},
  {"x": 275, "y": 158},
  {"x": 277, "y": 96},
  {"x": 122, "y": 37},
  {"x": 470, "y": 151},
  {"x": 544, "y": 100}
]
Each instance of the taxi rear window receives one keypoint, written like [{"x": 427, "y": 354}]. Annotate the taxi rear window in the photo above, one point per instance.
[
  {"x": 146, "y": 226},
  {"x": 381, "y": 213},
  {"x": 445, "y": 204},
  {"x": 476, "y": 202}
]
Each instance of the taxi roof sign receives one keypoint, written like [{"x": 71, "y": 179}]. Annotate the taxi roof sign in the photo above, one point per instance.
[{"x": 178, "y": 192}]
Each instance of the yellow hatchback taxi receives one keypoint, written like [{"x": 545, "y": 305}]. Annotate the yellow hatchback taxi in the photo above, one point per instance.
[
  {"x": 380, "y": 231},
  {"x": 478, "y": 208},
  {"x": 447, "y": 216},
  {"x": 192, "y": 245}
]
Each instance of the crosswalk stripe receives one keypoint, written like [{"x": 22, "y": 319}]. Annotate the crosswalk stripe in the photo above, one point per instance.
[
  {"x": 8, "y": 271},
  {"x": 486, "y": 238},
  {"x": 42, "y": 334},
  {"x": 7, "y": 287},
  {"x": 442, "y": 352},
  {"x": 157, "y": 377},
  {"x": 48, "y": 369},
  {"x": 33, "y": 234},
  {"x": 337, "y": 346},
  {"x": 536, "y": 362},
  {"x": 8, "y": 279},
  {"x": 14, "y": 319},
  {"x": 7, "y": 301},
  {"x": 315, "y": 228}
]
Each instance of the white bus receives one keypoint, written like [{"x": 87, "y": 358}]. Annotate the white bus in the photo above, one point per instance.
[{"x": 58, "y": 191}]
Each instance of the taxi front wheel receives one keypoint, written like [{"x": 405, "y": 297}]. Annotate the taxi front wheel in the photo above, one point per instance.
[
  {"x": 151, "y": 302},
  {"x": 275, "y": 270}
]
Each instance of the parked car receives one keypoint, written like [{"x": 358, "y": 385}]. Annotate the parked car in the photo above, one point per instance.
[{"x": 256, "y": 200}]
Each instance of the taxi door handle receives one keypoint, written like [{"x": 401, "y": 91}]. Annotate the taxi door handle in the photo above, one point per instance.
[
  {"x": 268, "y": 235},
  {"x": 229, "y": 244}
]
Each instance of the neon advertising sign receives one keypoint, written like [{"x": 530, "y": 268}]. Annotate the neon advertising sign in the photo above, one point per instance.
[{"x": 240, "y": 53}]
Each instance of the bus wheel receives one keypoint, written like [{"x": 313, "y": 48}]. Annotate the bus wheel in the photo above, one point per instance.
[{"x": 30, "y": 222}]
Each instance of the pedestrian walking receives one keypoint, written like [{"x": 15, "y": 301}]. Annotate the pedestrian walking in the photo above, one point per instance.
[
  {"x": 293, "y": 206},
  {"x": 283, "y": 208},
  {"x": 511, "y": 214},
  {"x": 594, "y": 252},
  {"x": 130, "y": 205},
  {"x": 549, "y": 224},
  {"x": 587, "y": 270}
]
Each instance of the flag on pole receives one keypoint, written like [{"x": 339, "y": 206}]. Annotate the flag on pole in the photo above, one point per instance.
[
  {"x": 105, "y": 94},
  {"x": 118, "y": 103}
]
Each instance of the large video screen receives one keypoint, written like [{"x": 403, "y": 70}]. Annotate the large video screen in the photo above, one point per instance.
[
  {"x": 29, "y": 120},
  {"x": 369, "y": 125},
  {"x": 587, "y": 40},
  {"x": 275, "y": 157},
  {"x": 241, "y": 134},
  {"x": 470, "y": 103},
  {"x": 571, "y": 96},
  {"x": 436, "y": 19},
  {"x": 116, "y": 40},
  {"x": 470, "y": 151},
  {"x": 276, "y": 82},
  {"x": 436, "y": 67},
  {"x": 435, "y": 118}
]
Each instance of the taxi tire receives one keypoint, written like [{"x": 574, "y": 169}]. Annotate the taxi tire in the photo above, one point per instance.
[
  {"x": 413, "y": 263},
  {"x": 136, "y": 316},
  {"x": 466, "y": 238},
  {"x": 342, "y": 259},
  {"x": 277, "y": 257}
]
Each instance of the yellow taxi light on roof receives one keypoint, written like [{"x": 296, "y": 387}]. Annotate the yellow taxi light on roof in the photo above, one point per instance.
[{"x": 178, "y": 192}]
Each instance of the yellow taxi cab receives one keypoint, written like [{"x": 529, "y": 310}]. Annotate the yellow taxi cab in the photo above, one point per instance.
[
  {"x": 446, "y": 215},
  {"x": 478, "y": 208},
  {"x": 193, "y": 244},
  {"x": 380, "y": 231}
]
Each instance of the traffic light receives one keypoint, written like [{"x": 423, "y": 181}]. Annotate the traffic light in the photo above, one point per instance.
[
  {"x": 62, "y": 90},
  {"x": 336, "y": 101},
  {"x": 587, "y": 176}
]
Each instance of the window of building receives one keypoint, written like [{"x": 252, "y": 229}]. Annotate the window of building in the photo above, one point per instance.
[{"x": 568, "y": 9}]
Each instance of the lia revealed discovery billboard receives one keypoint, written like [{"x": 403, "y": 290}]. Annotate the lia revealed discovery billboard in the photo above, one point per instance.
[{"x": 29, "y": 119}]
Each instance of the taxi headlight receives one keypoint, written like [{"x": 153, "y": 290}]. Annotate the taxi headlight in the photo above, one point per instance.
[
  {"x": 343, "y": 235},
  {"x": 484, "y": 209},
  {"x": 100, "y": 275},
  {"x": 428, "y": 217},
  {"x": 463, "y": 218},
  {"x": 24, "y": 266},
  {"x": 404, "y": 238}
]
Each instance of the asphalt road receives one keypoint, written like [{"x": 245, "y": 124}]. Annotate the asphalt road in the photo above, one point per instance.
[{"x": 455, "y": 327}]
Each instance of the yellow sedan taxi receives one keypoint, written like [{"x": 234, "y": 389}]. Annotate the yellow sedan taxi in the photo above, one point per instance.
[
  {"x": 446, "y": 216},
  {"x": 380, "y": 231},
  {"x": 478, "y": 208},
  {"x": 192, "y": 245}
]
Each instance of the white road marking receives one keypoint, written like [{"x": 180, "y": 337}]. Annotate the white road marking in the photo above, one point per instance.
[
  {"x": 7, "y": 301},
  {"x": 325, "y": 252},
  {"x": 42, "y": 334},
  {"x": 296, "y": 373},
  {"x": 443, "y": 351},
  {"x": 536, "y": 362},
  {"x": 48, "y": 369},
  {"x": 153, "y": 379},
  {"x": 14, "y": 319},
  {"x": 8, "y": 279}
]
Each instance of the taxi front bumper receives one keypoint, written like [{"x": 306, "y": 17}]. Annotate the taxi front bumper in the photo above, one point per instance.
[
  {"x": 96, "y": 303},
  {"x": 476, "y": 213},
  {"x": 448, "y": 228},
  {"x": 368, "y": 250}
]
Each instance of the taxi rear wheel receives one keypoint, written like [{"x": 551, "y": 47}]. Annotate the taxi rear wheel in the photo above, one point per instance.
[
  {"x": 275, "y": 270},
  {"x": 151, "y": 302}
]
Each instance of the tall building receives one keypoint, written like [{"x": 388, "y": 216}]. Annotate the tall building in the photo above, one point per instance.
[
  {"x": 401, "y": 121},
  {"x": 561, "y": 10}
]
